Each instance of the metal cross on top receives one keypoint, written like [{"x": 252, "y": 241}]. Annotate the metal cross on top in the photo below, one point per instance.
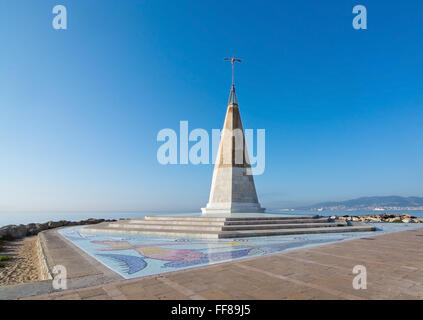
[{"x": 233, "y": 60}]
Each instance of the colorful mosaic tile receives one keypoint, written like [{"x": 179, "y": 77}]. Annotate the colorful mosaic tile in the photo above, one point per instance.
[{"x": 134, "y": 256}]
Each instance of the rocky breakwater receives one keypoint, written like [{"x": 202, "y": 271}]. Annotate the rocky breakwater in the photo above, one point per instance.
[
  {"x": 13, "y": 232},
  {"x": 384, "y": 217}
]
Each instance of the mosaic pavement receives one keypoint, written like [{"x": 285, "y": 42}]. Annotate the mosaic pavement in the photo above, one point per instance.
[{"x": 134, "y": 256}]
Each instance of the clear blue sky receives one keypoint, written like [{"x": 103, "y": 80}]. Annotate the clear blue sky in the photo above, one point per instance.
[{"x": 80, "y": 109}]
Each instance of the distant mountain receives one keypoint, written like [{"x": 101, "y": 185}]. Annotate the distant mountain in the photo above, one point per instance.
[{"x": 370, "y": 203}]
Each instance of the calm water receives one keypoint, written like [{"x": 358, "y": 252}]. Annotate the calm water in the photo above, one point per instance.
[
  {"x": 36, "y": 217},
  {"x": 30, "y": 217},
  {"x": 416, "y": 213}
]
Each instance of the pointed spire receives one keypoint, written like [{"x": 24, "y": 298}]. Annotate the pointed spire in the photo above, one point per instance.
[
  {"x": 232, "y": 189},
  {"x": 232, "y": 96}
]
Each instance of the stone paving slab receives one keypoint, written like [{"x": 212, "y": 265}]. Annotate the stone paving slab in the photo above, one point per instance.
[
  {"x": 59, "y": 251},
  {"x": 394, "y": 265},
  {"x": 82, "y": 270}
]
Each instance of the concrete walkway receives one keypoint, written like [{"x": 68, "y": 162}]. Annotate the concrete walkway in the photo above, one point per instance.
[
  {"x": 82, "y": 270},
  {"x": 394, "y": 264}
]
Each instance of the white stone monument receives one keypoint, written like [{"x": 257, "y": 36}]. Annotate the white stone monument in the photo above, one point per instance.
[{"x": 232, "y": 188}]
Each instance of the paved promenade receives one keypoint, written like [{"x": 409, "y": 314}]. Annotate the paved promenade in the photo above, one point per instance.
[{"x": 394, "y": 265}]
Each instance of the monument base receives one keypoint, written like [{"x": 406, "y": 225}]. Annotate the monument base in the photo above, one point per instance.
[
  {"x": 232, "y": 225},
  {"x": 219, "y": 208}
]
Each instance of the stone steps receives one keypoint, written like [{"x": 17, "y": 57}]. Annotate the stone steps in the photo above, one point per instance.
[
  {"x": 281, "y": 221},
  {"x": 196, "y": 222},
  {"x": 281, "y": 226},
  {"x": 230, "y": 234},
  {"x": 164, "y": 226},
  {"x": 228, "y": 227},
  {"x": 208, "y": 218},
  {"x": 241, "y": 234}
]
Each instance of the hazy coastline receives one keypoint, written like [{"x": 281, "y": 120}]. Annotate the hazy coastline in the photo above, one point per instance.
[{"x": 37, "y": 217}]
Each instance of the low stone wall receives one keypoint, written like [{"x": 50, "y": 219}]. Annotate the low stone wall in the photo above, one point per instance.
[
  {"x": 12, "y": 232},
  {"x": 384, "y": 217},
  {"x": 45, "y": 272}
]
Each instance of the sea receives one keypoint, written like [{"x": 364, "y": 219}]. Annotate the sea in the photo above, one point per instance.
[{"x": 37, "y": 217}]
